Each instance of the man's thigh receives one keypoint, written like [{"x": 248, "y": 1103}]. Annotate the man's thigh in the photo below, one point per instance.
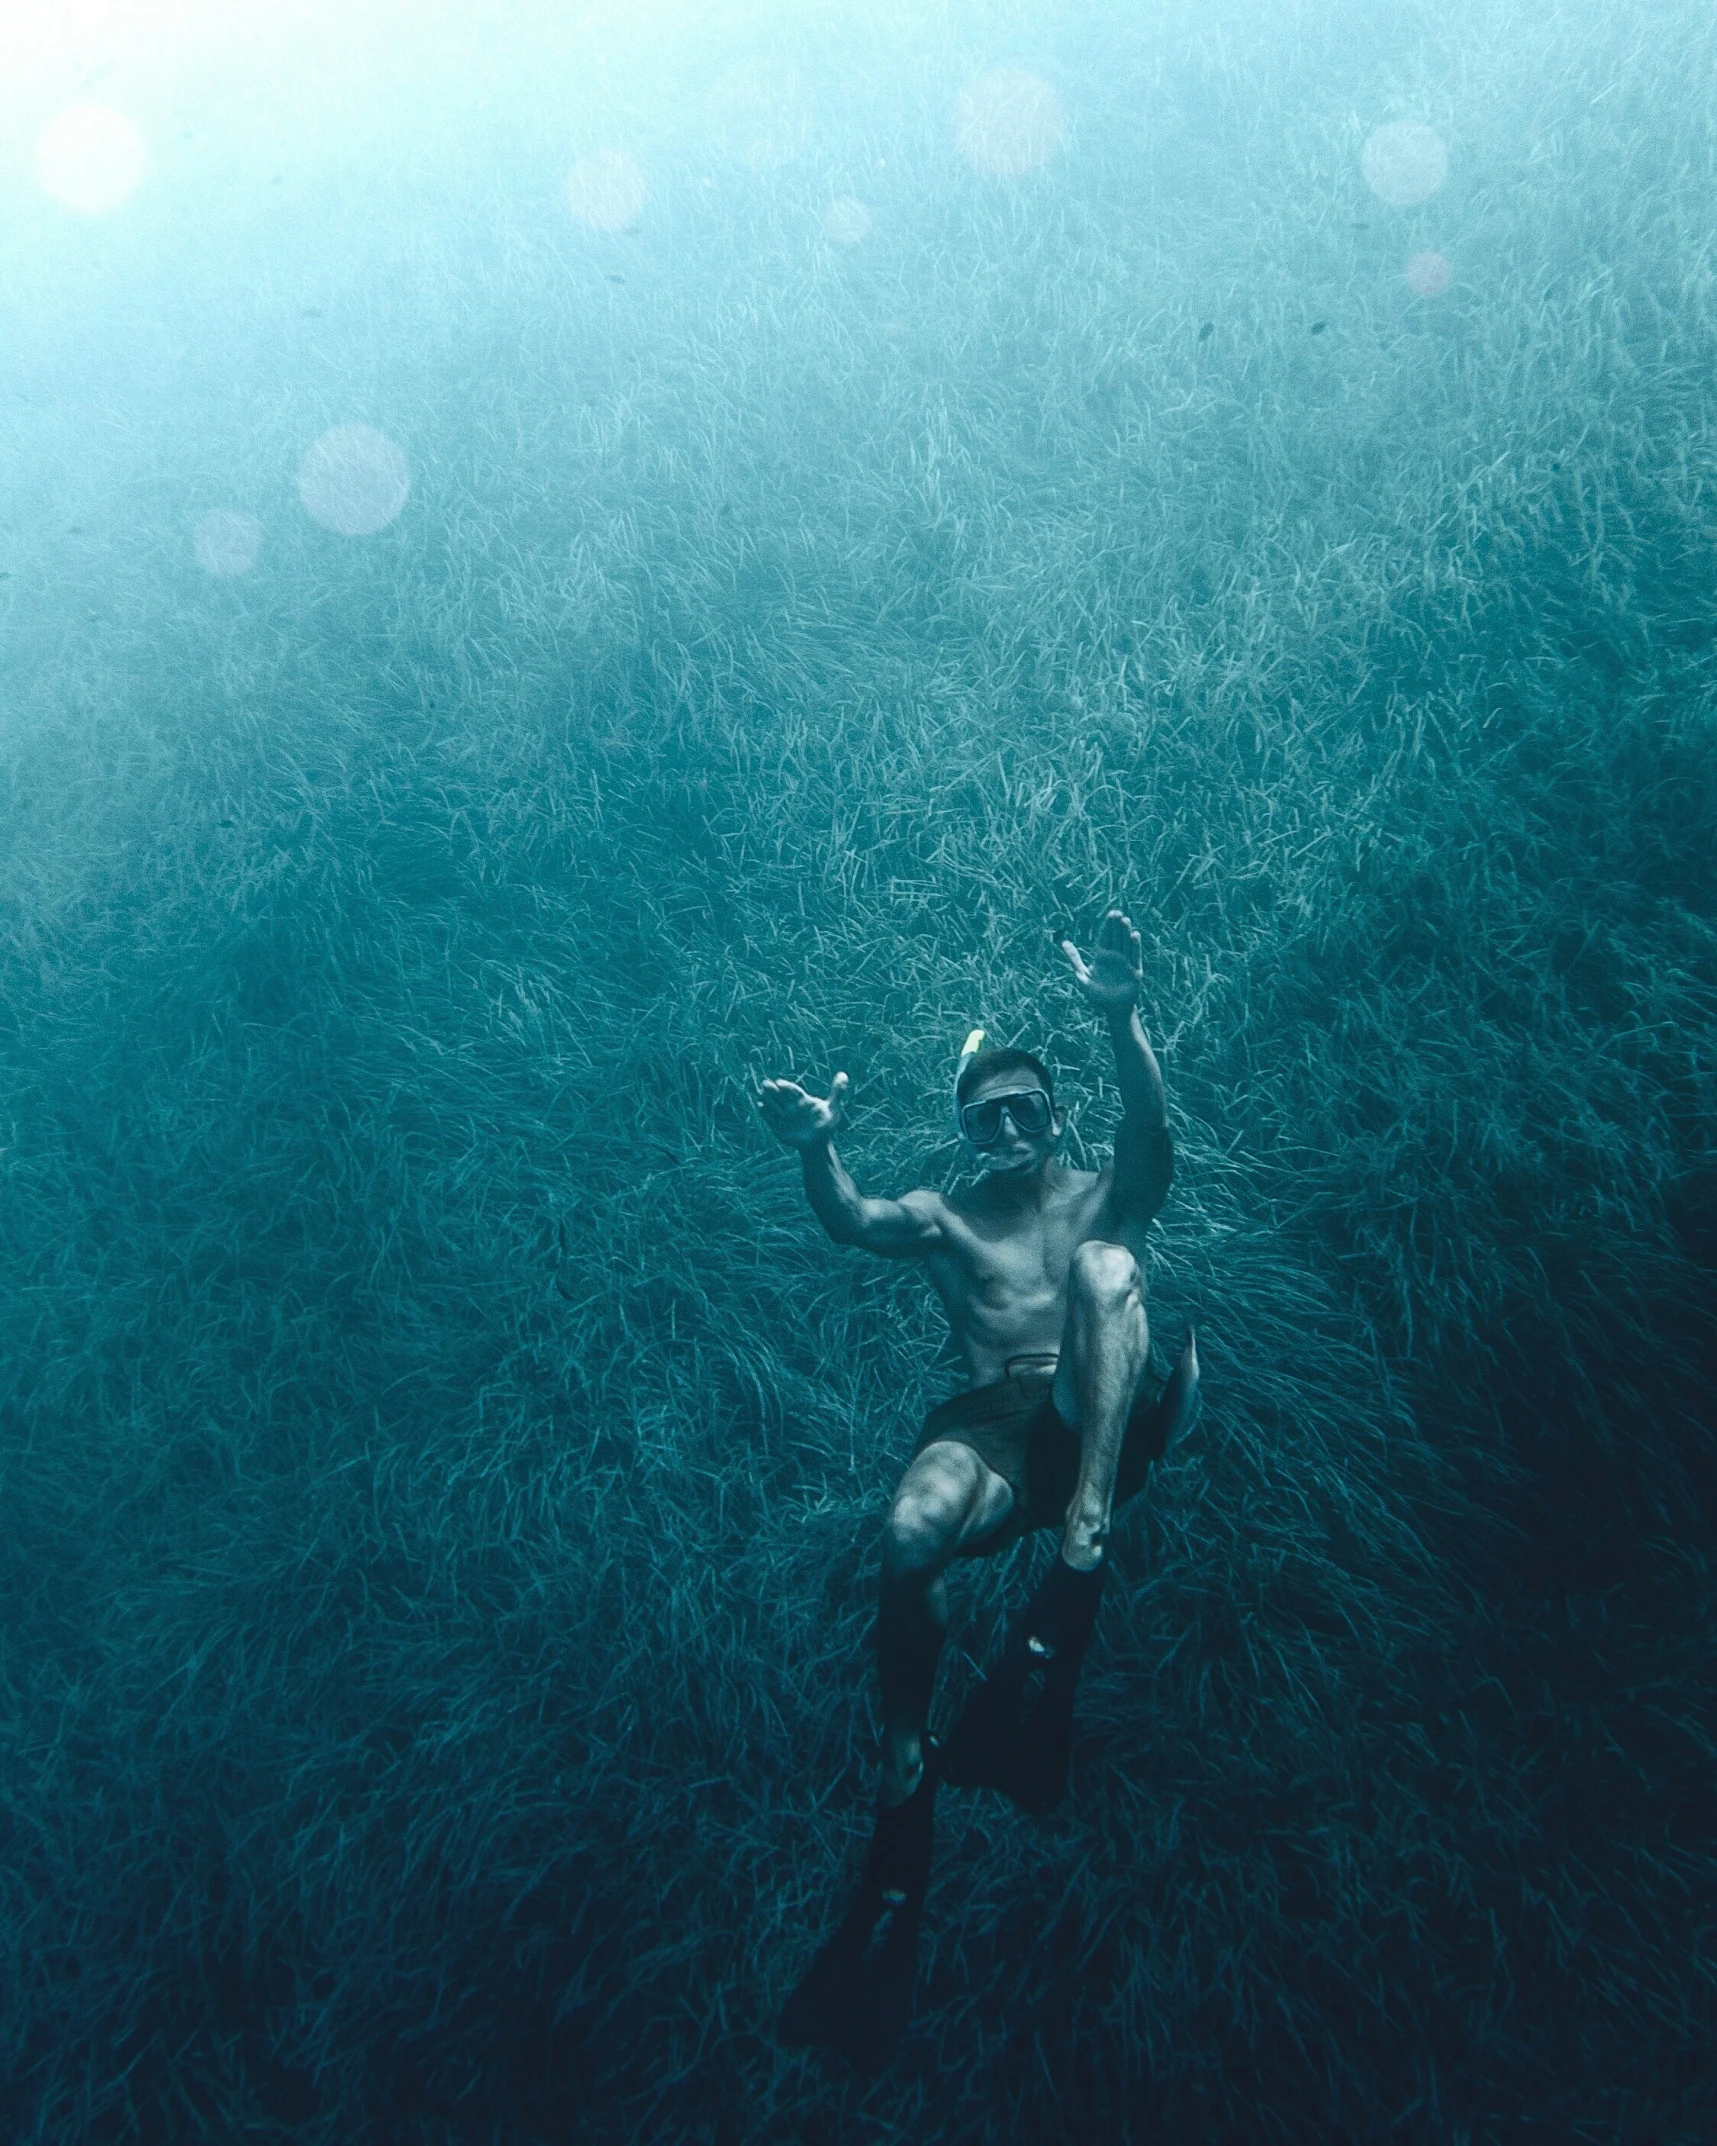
[
  {"x": 1083, "y": 1324},
  {"x": 952, "y": 1481}
]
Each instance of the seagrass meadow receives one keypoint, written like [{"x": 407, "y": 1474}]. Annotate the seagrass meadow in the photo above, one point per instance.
[{"x": 843, "y": 493}]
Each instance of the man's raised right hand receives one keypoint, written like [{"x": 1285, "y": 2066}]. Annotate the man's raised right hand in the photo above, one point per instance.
[{"x": 799, "y": 1120}]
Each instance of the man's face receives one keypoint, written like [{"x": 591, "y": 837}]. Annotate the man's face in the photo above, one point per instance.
[{"x": 1013, "y": 1152}]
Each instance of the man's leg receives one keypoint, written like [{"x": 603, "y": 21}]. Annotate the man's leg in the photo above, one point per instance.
[
  {"x": 1017, "y": 1731},
  {"x": 947, "y": 1499},
  {"x": 857, "y": 1992},
  {"x": 1104, "y": 1352}
]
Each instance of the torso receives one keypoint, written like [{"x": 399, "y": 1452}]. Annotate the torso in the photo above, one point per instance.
[{"x": 1001, "y": 1268}]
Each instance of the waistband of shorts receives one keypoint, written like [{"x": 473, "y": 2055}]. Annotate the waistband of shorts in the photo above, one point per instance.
[{"x": 1016, "y": 1395}]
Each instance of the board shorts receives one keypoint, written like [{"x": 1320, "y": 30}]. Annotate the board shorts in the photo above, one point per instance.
[{"x": 1015, "y": 1428}]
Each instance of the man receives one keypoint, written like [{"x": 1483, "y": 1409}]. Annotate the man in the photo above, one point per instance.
[{"x": 1039, "y": 1269}]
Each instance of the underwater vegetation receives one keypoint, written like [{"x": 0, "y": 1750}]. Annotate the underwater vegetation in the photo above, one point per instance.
[{"x": 513, "y": 634}]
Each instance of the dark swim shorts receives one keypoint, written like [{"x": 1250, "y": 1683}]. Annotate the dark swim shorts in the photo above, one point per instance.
[{"x": 1016, "y": 1429}]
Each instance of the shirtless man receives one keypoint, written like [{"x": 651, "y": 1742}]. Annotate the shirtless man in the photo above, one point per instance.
[{"x": 1039, "y": 1269}]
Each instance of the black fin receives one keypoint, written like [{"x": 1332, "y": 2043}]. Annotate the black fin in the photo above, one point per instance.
[
  {"x": 1016, "y": 1732},
  {"x": 1177, "y": 1405},
  {"x": 856, "y": 1995}
]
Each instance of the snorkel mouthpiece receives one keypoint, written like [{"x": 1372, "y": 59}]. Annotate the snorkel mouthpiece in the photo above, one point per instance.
[{"x": 969, "y": 1050}]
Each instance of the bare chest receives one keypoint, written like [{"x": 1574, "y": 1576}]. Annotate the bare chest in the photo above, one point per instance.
[{"x": 998, "y": 1262}]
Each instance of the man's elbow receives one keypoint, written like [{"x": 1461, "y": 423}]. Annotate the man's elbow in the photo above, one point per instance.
[{"x": 1143, "y": 1179}]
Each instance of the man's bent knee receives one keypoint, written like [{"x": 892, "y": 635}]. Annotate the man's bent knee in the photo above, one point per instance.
[
  {"x": 934, "y": 1505},
  {"x": 1104, "y": 1274}
]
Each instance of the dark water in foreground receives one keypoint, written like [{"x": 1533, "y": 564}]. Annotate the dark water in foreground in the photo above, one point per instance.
[{"x": 557, "y": 564}]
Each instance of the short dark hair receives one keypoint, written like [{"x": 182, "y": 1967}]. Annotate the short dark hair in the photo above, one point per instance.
[{"x": 1003, "y": 1059}]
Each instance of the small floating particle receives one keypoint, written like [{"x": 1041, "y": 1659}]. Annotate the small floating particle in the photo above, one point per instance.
[
  {"x": 1428, "y": 274},
  {"x": 846, "y": 222},
  {"x": 607, "y": 190},
  {"x": 354, "y": 480},
  {"x": 1009, "y": 122},
  {"x": 227, "y": 544},
  {"x": 1207, "y": 331},
  {"x": 1405, "y": 163}
]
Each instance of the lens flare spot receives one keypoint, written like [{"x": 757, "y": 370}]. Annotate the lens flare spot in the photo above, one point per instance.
[
  {"x": 226, "y": 543},
  {"x": 607, "y": 190},
  {"x": 1009, "y": 122},
  {"x": 1404, "y": 163},
  {"x": 846, "y": 222},
  {"x": 354, "y": 480},
  {"x": 759, "y": 114},
  {"x": 1428, "y": 274},
  {"x": 90, "y": 158}
]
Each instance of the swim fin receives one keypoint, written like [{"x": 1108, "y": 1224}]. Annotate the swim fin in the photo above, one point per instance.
[
  {"x": 856, "y": 1995},
  {"x": 1016, "y": 1733},
  {"x": 1177, "y": 1405}
]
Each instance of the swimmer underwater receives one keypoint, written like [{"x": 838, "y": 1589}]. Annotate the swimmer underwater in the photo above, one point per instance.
[{"x": 1039, "y": 1268}]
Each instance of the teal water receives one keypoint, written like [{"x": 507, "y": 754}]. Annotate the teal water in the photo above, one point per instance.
[{"x": 558, "y": 562}]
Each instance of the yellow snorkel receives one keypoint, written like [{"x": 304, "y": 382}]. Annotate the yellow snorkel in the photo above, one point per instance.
[{"x": 969, "y": 1050}]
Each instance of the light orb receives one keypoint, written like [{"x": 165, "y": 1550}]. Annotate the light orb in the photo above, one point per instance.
[
  {"x": 846, "y": 222},
  {"x": 1009, "y": 122},
  {"x": 354, "y": 480},
  {"x": 607, "y": 191},
  {"x": 89, "y": 157},
  {"x": 1428, "y": 274},
  {"x": 760, "y": 114},
  {"x": 226, "y": 543},
  {"x": 1404, "y": 163}
]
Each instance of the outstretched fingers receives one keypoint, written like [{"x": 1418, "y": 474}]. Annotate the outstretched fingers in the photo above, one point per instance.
[
  {"x": 1117, "y": 933},
  {"x": 796, "y": 1116}
]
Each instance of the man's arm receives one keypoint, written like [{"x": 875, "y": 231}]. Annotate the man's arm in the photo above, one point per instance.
[
  {"x": 897, "y": 1229},
  {"x": 1144, "y": 1151}
]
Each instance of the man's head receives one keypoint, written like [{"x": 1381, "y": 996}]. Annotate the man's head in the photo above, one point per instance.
[{"x": 1008, "y": 1118}]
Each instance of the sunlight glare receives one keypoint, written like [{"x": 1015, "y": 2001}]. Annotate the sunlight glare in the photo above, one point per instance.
[
  {"x": 89, "y": 157},
  {"x": 46, "y": 49}
]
